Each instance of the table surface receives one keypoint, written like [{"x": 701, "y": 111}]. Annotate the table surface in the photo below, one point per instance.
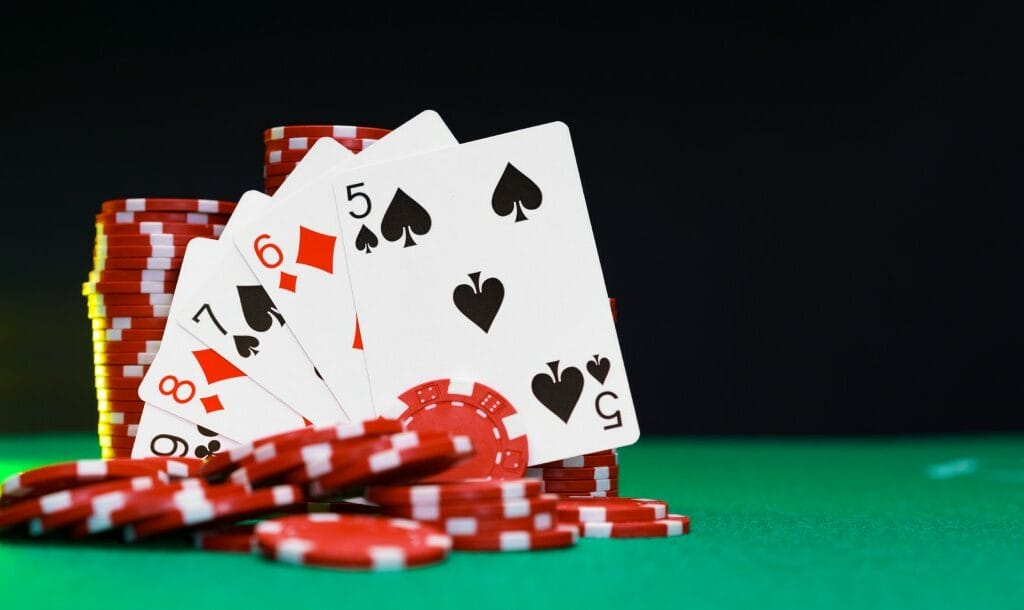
[{"x": 891, "y": 523}]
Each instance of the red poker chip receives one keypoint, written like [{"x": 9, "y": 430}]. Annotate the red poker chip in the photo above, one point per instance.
[
  {"x": 64, "y": 500},
  {"x": 474, "y": 526},
  {"x": 284, "y": 156},
  {"x": 67, "y": 475},
  {"x": 161, "y": 264},
  {"x": 574, "y": 474},
  {"x": 322, "y": 460},
  {"x": 341, "y": 507},
  {"x": 460, "y": 491},
  {"x": 148, "y": 311},
  {"x": 278, "y": 169},
  {"x": 579, "y": 510},
  {"x": 270, "y": 190},
  {"x": 190, "y": 218},
  {"x": 274, "y": 181},
  {"x": 120, "y": 509},
  {"x": 231, "y": 539},
  {"x": 175, "y": 467},
  {"x": 129, "y": 334},
  {"x": 269, "y": 446},
  {"x": 142, "y": 204},
  {"x": 354, "y": 144},
  {"x": 117, "y": 429},
  {"x": 117, "y": 442},
  {"x": 160, "y": 228},
  {"x": 561, "y": 536},
  {"x": 117, "y": 383},
  {"x": 108, "y": 453},
  {"x": 577, "y": 486},
  {"x": 140, "y": 252},
  {"x": 133, "y": 275},
  {"x": 136, "y": 287},
  {"x": 488, "y": 418},
  {"x": 116, "y": 395},
  {"x": 105, "y": 300},
  {"x": 120, "y": 370},
  {"x": 142, "y": 359},
  {"x": 615, "y": 308},
  {"x": 487, "y": 509},
  {"x": 673, "y": 525},
  {"x": 613, "y": 493},
  {"x": 119, "y": 418},
  {"x": 115, "y": 347},
  {"x": 316, "y": 455},
  {"x": 351, "y": 541},
  {"x": 122, "y": 322},
  {"x": 323, "y": 131},
  {"x": 395, "y": 465},
  {"x": 120, "y": 406},
  {"x": 226, "y": 507},
  {"x": 135, "y": 241},
  {"x": 608, "y": 457}
]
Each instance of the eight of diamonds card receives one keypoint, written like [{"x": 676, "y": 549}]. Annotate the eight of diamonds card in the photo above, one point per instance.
[{"x": 478, "y": 261}]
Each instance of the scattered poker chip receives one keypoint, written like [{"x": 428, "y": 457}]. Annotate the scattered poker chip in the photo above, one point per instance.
[
  {"x": 129, "y": 299},
  {"x": 122, "y": 241},
  {"x": 395, "y": 465},
  {"x": 107, "y": 359},
  {"x": 672, "y": 525},
  {"x": 69, "y": 499},
  {"x": 190, "y": 218},
  {"x": 284, "y": 156},
  {"x": 100, "y": 495},
  {"x": 582, "y": 510},
  {"x": 574, "y": 474},
  {"x": 120, "y": 371},
  {"x": 174, "y": 467},
  {"x": 128, "y": 287},
  {"x": 281, "y": 463},
  {"x": 142, "y": 204},
  {"x": 473, "y": 526},
  {"x": 119, "y": 418},
  {"x": 589, "y": 460},
  {"x": 323, "y": 131},
  {"x": 118, "y": 510},
  {"x": 585, "y": 485},
  {"x": 160, "y": 228},
  {"x": 164, "y": 264},
  {"x": 127, "y": 322},
  {"x": 561, "y": 536},
  {"x": 129, "y": 334},
  {"x": 145, "y": 311},
  {"x": 117, "y": 429},
  {"x": 459, "y": 491},
  {"x": 486, "y": 509},
  {"x": 267, "y": 447},
  {"x": 325, "y": 458},
  {"x": 134, "y": 275},
  {"x": 231, "y": 539},
  {"x": 120, "y": 406},
  {"x": 67, "y": 475},
  {"x": 497, "y": 430},
  {"x": 140, "y": 252},
  {"x": 228, "y": 506},
  {"x": 351, "y": 541},
  {"x": 104, "y": 347}
]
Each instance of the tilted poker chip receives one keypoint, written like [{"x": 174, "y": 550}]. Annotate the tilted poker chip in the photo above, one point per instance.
[
  {"x": 128, "y": 322},
  {"x": 589, "y": 460},
  {"x": 144, "y": 204},
  {"x": 453, "y": 492},
  {"x": 323, "y": 131},
  {"x": 497, "y": 430},
  {"x": 138, "y": 263},
  {"x": 672, "y": 525},
  {"x": 189, "y": 218},
  {"x": 351, "y": 541},
  {"x": 159, "y": 228},
  {"x": 223, "y": 507},
  {"x": 485, "y": 509},
  {"x": 582, "y": 510},
  {"x": 268, "y": 447},
  {"x": 68, "y": 499},
  {"x": 586, "y": 486},
  {"x": 230, "y": 539},
  {"x": 561, "y": 536},
  {"x": 473, "y": 526},
  {"x": 395, "y": 465},
  {"x": 322, "y": 461},
  {"x": 101, "y": 494},
  {"x": 107, "y": 300},
  {"x": 67, "y": 475},
  {"x": 574, "y": 474},
  {"x": 354, "y": 144}
]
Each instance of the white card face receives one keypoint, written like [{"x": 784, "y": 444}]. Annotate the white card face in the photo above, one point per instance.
[
  {"x": 195, "y": 382},
  {"x": 296, "y": 254},
  {"x": 165, "y": 435},
  {"x": 478, "y": 262},
  {"x": 232, "y": 313}
]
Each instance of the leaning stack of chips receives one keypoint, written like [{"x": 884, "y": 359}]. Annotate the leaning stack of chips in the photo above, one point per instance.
[
  {"x": 285, "y": 146},
  {"x": 138, "y": 250}
]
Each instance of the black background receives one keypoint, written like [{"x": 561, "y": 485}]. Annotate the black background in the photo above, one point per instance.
[{"x": 809, "y": 218}]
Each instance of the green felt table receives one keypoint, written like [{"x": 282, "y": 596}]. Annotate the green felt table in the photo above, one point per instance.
[{"x": 895, "y": 523}]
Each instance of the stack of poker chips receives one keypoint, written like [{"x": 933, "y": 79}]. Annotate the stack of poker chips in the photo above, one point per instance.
[
  {"x": 286, "y": 146},
  {"x": 139, "y": 246},
  {"x": 594, "y": 475}
]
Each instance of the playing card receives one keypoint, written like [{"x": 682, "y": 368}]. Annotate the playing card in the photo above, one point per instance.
[
  {"x": 478, "y": 262},
  {"x": 162, "y": 434},
  {"x": 195, "y": 382},
  {"x": 295, "y": 252}
]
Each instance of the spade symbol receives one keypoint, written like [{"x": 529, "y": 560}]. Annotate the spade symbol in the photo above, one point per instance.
[
  {"x": 246, "y": 345},
  {"x": 259, "y": 311},
  {"x": 366, "y": 241},
  {"x": 404, "y": 217},
  {"x": 598, "y": 368},
  {"x": 480, "y": 302},
  {"x": 559, "y": 395},
  {"x": 515, "y": 191}
]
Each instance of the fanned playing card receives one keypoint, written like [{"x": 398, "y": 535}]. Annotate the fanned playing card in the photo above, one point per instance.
[
  {"x": 478, "y": 262},
  {"x": 161, "y": 434}
]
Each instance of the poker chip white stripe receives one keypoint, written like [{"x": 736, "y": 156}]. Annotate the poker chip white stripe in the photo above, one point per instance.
[
  {"x": 55, "y": 502},
  {"x": 386, "y": 557}
]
